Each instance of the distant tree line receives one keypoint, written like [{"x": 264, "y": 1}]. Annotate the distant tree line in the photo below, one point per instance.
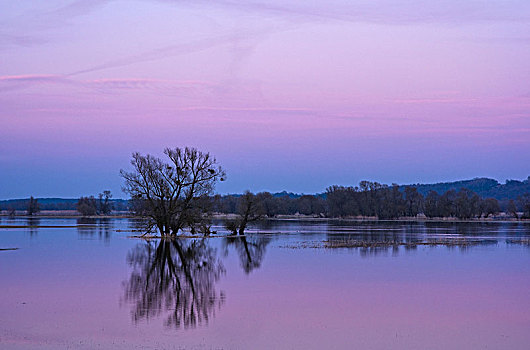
[
  {"x": 56, "y": 204},
  {"x": 267, "y": 204},
  {"x": 369, "y": 199},
  {"x": 31, "y": 206},
  {"x": 174, "y": 193}
]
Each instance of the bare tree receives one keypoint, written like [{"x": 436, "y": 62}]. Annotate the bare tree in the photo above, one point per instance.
[
  {"x": 87, "y": 206},
  {"x": 249, "y": 209},
  {"x": 171, "y": 190},
  {"x": 413, "y": 201},
  {"x": 524, "y": 202},
  {"x": 512, "y": 209},
  {"x": 432, "y": 205},
  {"x": 489, "y": 206},
  {"x": 104, "y": 204},
  {"x": 33, "y": 206}
]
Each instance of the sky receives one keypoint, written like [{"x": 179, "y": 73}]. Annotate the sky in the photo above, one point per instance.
[{"x": 287, "y": 95}]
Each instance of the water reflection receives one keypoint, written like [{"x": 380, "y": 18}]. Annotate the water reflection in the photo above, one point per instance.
[
  {"x": 370, "y": 243},
  {"x": 177, "y": 278},
  {"x": 251, "y": 250},
  {"x": 33, "y": 224},
  {"x": 88, "y": 227}
]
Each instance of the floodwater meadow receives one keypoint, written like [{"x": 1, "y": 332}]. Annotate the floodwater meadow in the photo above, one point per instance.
[{"x": 85, "y": 283}]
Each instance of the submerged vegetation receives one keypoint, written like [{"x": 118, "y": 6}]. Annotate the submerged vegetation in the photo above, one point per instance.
[
  {"x": 448, "y": 242},
  {"x": 381, "y": 245}
]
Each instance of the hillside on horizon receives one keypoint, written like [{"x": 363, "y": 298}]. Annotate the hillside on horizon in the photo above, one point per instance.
[{"x": 484, "y": 187}]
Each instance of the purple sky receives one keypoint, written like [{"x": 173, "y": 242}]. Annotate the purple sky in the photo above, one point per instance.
[{"x": 291, "y": 95}]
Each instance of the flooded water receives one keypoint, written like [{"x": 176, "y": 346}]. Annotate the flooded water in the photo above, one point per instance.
[{"x": 87, "y": 285}]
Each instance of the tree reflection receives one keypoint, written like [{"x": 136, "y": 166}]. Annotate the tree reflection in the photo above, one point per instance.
[
  {"x": 370, "y": 245},
  {"x": 33, "y": 224},
  {"x": 251, "y": 250},
  {"x": 177, "y": 277},
  {"x": 87, "y": 227}
]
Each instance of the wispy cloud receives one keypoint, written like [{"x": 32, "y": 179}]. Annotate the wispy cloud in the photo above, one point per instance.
[
  {"x": 428, "y": 100},
  {"x": 15, "y": 82},
  {"x": 8, "y": 40},
  {"x": 174, "y": 50},
  {"x": 247, "y": 109},
  {"x": 75, "y": 8},
  {"x": 382, "y": 11}
]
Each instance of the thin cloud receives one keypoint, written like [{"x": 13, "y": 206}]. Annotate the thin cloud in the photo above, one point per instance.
[
  {"x": 77, "y": 8},
  {"x": 381, "y": 12},
  {"x": 15, "y": 82},
  {"x": 435, "y": 100},
  {"x": 170, "y": 51},
  {"x": 247, "y": 109},
  {"x": 9, "y": 40}
]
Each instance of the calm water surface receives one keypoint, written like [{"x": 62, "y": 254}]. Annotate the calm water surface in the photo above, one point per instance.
[{"x": 87, "y": 285}]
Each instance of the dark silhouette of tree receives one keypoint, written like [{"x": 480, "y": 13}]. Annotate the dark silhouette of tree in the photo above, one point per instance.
[
  {"x": 227, "y": 204},
  {"x": 138, "y": 207},
  {"x": 512, "y": 209},
  {"x": 311, "y": 205},
  {"x": 104, "y": 204},
  {"x": 431, "y": 206},
  {"x": 197, "y": 217},
  {"x": 413, "y": 201},
  {"x": 170, "y": 190},
  {"x": 524, "y": 203},
  {"x": 32, "y": 206},
  {"x": 287, "y": 205},
  {"x": 489, "y": 206},
  {"x": 369, "y": 202},
  {"x": 87, "y": 206},
  {"x": 176, "y": 277},
  {"x": 11, "y": 212},
  {"x": 269, "y": 204},
  {"x": 466, "y": 204},
  {"x": 389, "y": 203},
  {"x": 341, "y": 201},
  {"x": 446, "y": 204},
  {"x": 249, "y": 209}
]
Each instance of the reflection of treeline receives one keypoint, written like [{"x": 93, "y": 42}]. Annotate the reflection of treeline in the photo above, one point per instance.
[{"x": 371, "y": 199}]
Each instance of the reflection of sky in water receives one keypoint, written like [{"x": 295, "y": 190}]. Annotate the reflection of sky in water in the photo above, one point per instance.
[{"x": 71, "y": 287}]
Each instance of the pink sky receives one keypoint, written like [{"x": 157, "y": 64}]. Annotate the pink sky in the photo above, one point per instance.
[{"x": 286, "y": 95}]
